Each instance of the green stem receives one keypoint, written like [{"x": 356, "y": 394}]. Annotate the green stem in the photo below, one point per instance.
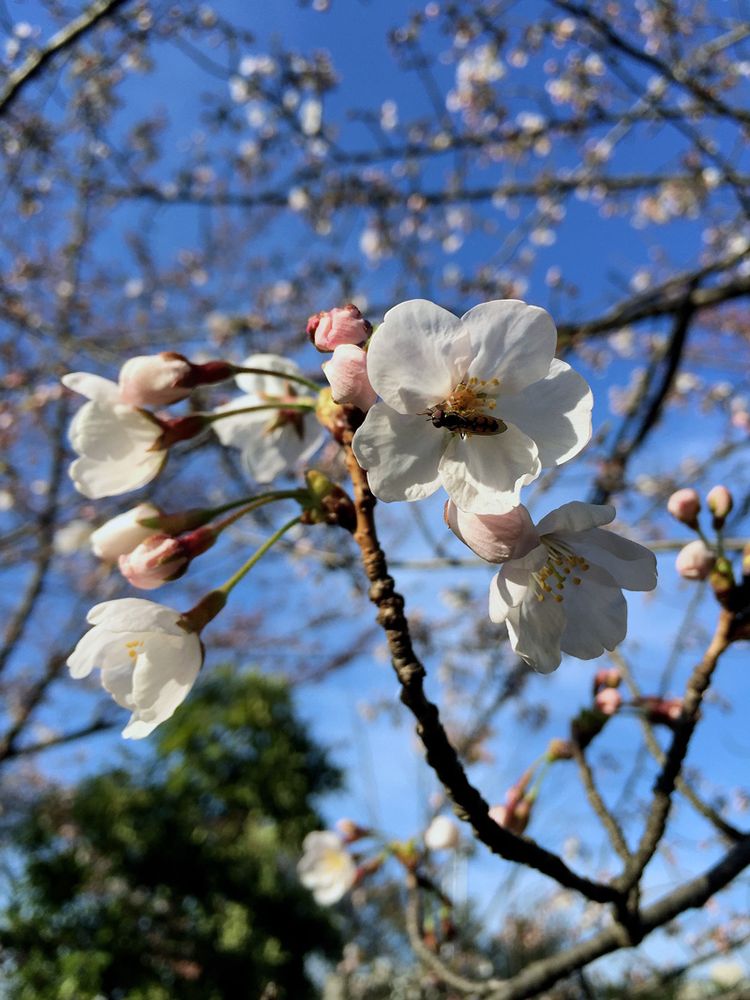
[
  {"x": 286, "y": 376},
  {"x": 232, "y": 582},
  {"x": 259, "y": 500},
  {"x": 306, "y": 405}
]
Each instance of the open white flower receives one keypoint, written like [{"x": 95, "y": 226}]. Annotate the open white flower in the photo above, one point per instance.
[
  {"x": 478, "y": 405},
  {"x": 565, "y": 595},
  {"x": 117, "y": 444},
  {"x": 149, "y": 660},
  {"x": 272, "y": 441},
  {"x": 326, "y": 868}
]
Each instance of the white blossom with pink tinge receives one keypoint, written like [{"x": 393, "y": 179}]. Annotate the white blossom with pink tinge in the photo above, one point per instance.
[
  {"x": 478, "y": 405},
  {"x": 326, "y": 868},
  {"x": 148, "y": 658},
  {"x": 272, "y": 441},
  {"x": 565, "y": 595},
  {"x": 117, "y": 444},
  {"x": 153, "y": 379},
  {"x": 347, "y": 375},
  {"x": 121, "y": 534}
]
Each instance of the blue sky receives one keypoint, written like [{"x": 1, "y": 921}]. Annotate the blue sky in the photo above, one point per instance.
[{"x": 386, "y": 775}]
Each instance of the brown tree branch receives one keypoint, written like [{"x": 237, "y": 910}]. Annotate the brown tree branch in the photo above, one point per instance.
[
  {"x": 63, "y": 39},
  {"x": 469, "y": 805}
]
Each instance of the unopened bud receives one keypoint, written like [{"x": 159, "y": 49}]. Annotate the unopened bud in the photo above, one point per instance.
[
  {"x": 608, "y": 700},
  {"x": 559, "y": 750},
  {"x": 347, "y": 375},
  {"x": 720, "y": 502},
  {"x": 162, "y": 558},
  {"x": 351, "y": 831},
  {"x": 660, "y": 711},
  {"x": 123, "y": 533},
  {"x": 608, "y": 678},
  {"x": 685, "y": 505},
  {"x": 695, "y": 560},
  {"x": 154, "y": 379},
  {"x": 342, "y": 325},
  {"x": 493, "y": 537},
  {"x": 327, "y": 503}
]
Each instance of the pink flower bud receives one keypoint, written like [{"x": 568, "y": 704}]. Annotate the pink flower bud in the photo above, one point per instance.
[
  {"x": 720, "y": 502},
  {"x": 351, "y": 831},
  {"x": 342, "y": 325},
  {"x": 660, "y": 711},
  {"x": 155, "y": 379},
  {"x": 159, "y": 559},
  {"x": 347, "y": 374},
  {"x": 121, "y": 534},
  {"x": 684, "y": 505},
  {"x": 608, "y": 700},
  {"x": 695, "y": 560},
  {"x": 609, "y": 678},
  {"x": 494, "y": 537}
]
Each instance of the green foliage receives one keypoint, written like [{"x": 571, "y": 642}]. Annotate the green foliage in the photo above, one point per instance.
[{"x": 176, "y": 881}]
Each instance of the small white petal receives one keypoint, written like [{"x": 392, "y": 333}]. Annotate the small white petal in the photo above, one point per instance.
[
  {"x": 482, "y": 478},
  {"x": 555, "y": 412},
  {"x": 535, "y": 629},
  {"x": 269, "y": 385},
  {"x": 596, "y": 615},
  {"x": 576, "y": 516},
  {"x": 400, "y": 453},
  {"x": 631, "y": 566},
  {"x": 134, "y": 614},
  {"x": 102, "y": 390},
  {"x": 417, "y": 356},
  {"x": 511, "y": 341}
]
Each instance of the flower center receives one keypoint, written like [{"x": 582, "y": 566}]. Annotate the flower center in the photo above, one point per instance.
[
  {"x": 464, "y": 410},
  {"x": 134, "y": 648},
  {"x": 283, "y": 418},
  {"x": 562, "y": 566}
]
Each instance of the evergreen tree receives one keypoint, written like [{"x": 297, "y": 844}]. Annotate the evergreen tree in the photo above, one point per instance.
[{"x": 177, "y": 880}]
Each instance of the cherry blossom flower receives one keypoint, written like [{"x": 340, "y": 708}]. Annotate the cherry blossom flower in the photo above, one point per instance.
[
  {"x": 478, "y": 405},
  {"x": 565, "y": 596},
  {"x": 325, "y": 867},
  {"x": 272, "y": 441},
  {"x": 442, "y": 834},
  {"x": 121, "y": 534},
  {"x": 148, "y": 657},
  {"x": 118, "y": 444}
]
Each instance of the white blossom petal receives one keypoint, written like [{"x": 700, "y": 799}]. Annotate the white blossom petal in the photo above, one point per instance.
[
  {"x": 510, "y": 341},
  {"x": 101, "y": 390},
  {"x": 401, "y": 461},
  {"x": 268, "y": 385},
  {"x": 561, "y": 426},
  {"x": 417, "y": 355},
  {"x": 134, "y": 614},
  {"x": 631, "y": 566},
  {"x": 483, "y": 479},
  {"x": 576, "y": 516},
  {"x": 535, "y": 630},
  {"x": 596, "y": 615}
]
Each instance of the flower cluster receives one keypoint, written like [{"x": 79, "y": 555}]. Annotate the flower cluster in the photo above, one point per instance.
[{"x": 479, "y": 406}]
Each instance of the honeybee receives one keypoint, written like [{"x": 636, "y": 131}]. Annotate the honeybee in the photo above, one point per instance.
[{"x": 465, "y": 423}]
